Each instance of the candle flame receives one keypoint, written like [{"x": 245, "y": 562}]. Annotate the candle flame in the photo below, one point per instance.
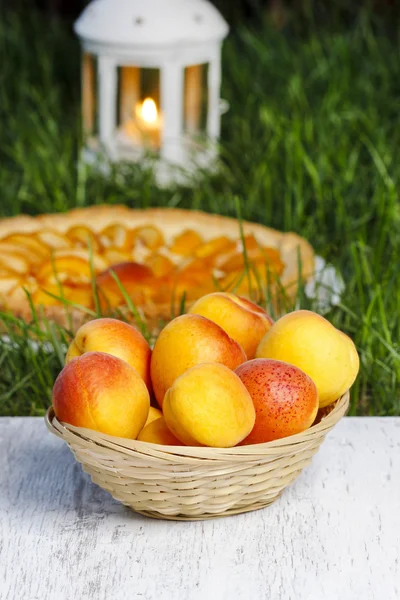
[{"x": 148, "y": 111}]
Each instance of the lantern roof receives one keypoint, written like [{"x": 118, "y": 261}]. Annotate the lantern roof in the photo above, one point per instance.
[{"x": 149, "y": 23}]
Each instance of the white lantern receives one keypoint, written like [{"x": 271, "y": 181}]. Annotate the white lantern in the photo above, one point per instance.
[{"x": 151, "y": 74}]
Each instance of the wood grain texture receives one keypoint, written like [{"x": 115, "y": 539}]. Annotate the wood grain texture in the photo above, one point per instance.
[{"x": 335, "y": 533}]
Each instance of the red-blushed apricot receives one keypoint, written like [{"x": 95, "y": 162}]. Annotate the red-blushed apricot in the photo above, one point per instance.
[
  {"x": 308, "y": 341},
  {"x": 101, "y": 392},
  {"x": 242, "y": 320},
  {"x": 285, "y": 399},
  {"x": 113, "y": 337},
  {"x": 185, "y": 342},
  {"x": 135, "y": 278}
]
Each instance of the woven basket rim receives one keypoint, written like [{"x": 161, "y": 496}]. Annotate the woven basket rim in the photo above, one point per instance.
[{"x": 63, "y": 430}]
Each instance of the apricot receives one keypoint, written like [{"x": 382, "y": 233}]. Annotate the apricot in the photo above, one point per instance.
[
  {"x": 242, "y": 320},
  {"x": 263, "y": 258},
  {"x": 101, "y": 392},
  {"x": 114, "y": 256},
  {"x": 53, "y": 239},
  {"x": 14, "y": 262},
  {"x": 160, "y": 265},
  {"x": 14, "y": 249},
  {"x": 113, "y": 337},
  {"x": 27, "y": 241},
  {"x": 116, "y": 236},
  {"x": 192, "y": 281},
  {"x": 311, "y": 343},
  {"x": 209, "y": 406},
  {"x": 134, "y": 277},
  {"x": 72, "y": 266},
  {"x": 211, "y": 251},
  {"x": 149, "y": 236},
  {"x": 284, "y": 397},
  {"x": 186, "y": 242},
  {"x": 154, "y": 414},
  {"x": 187, "y": 341},
  {"x": 157, "y": 432},
  {"x": 81, "y": 294},
  {"x": 84, "y": 237}
]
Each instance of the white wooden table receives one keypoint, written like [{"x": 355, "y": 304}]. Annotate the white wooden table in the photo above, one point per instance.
[{"x": 335, "y": 534}]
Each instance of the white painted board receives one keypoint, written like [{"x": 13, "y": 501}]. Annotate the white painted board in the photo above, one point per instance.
[{"x": 334, "y": 535}]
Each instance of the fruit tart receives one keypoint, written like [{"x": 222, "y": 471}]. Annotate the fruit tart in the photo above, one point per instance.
[{"x": 162, "y": 257}]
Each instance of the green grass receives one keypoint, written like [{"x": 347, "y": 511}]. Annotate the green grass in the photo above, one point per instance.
[{"x": 311, "y": 144}]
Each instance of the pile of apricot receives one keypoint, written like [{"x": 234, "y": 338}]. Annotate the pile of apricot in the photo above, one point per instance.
[{"x": 221, "y": 375}]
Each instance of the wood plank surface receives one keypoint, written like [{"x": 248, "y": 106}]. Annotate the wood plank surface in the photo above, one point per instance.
[{"x": 335, "y": 534}]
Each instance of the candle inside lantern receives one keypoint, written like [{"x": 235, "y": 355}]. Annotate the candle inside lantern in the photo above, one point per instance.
[
  {"x": 145, "y": 127},
  {"x": 147, "y": 114}
]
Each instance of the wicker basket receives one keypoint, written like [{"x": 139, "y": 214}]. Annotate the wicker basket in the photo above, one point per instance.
[{"x": 188, "y": 483}]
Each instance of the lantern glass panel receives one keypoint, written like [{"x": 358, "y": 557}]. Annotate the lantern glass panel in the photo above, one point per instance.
[
  {"x": 89, "y": 95},
  {"x": 195, "y": 99},
  {"x": 138, "y": 106}
]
